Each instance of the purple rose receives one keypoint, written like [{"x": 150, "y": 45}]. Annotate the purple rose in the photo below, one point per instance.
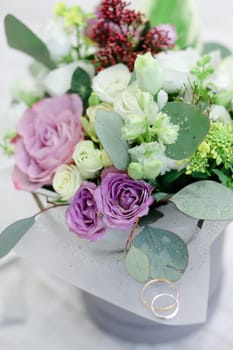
[
  {"x": 82, "y": 216},
  {"x": 121, "y": 199},
  {"x": 48, "y": 133}
]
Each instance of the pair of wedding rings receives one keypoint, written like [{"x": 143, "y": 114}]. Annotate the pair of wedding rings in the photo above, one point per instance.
[{"x": 167, "y": 311}]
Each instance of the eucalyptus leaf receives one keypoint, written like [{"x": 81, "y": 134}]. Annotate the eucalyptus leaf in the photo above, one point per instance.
[
  {"x": 213, "y": 46},
  {"x": 137, "y": 264},
  {"x": 193, "y": 128},
  {"x": 21, "y": 38},
  {"x": 206, "y": 200},
  {"x": 13, "y": 234},
  {"x": 167, "y": 252},
  {"x": 108, "y": 128}
]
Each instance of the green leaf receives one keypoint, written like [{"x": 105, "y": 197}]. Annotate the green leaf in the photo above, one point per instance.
[
  {"x": 81, "y": 84},
  {"x": 137, "y": 264},
  {"x": 153, "y": 216},
  {"x": 167, "y": 252},
  {"x": 160, "y": 196},
  {"x": 108, "y": 128},
  {"x": 181, "y": 14},
  {"x": 207, "y": 200},
  {"x": 193, "y": 125},
  {"x": 13, "y": 234},
  {"x": 223, "y": 178},
  {"x": 21, "y": 38},
  {"x": 213, "y": 46}
]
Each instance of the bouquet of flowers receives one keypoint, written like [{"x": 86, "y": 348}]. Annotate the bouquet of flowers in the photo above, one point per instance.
[{"x": 118, "y": 121}]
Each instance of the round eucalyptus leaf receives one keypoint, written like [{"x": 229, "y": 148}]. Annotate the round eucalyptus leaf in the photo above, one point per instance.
[
  {"x": 137, "y": 264},
  {"x": 193, "y": 128},
  {"x": 207, "y": 200},
  {"x": 167, "y": 252}
]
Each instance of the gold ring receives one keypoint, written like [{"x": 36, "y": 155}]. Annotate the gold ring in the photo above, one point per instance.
[{"x": 160, "y": 280}]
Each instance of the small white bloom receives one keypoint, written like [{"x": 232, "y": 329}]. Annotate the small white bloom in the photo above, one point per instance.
[
  {"x": 151, "y": 155},
  {"x": 66, "y": 181},
  {"x": 110, "y": 82},
  {"x": 166, "y": 132},
  {"x": 56, "y": 39},
  {"x": 176, "y": 66},
  {"x": 88, "y": 159},
  {"x": 135, "y": 126},
  {"x": 162, "y": 99},
  {"x": 133, "y": 101},
  {"x": 219, "y": 113},
  {"x": 58, "y": 81},
  {"x": 149, "y": 73}
]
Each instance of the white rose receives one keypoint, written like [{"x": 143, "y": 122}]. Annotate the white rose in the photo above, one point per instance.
[
  {"x": 177, "y": 66},
  {"x": 219, "y": 113},
  {"x": 57, "y": 40},
  {"x": 110, "y": 82},
  {"x": 88, "y": 159},
  {"x": 133, "y": 101},
  {"x": 66, "y": 181},
  {"x": 58, "y": 81}
]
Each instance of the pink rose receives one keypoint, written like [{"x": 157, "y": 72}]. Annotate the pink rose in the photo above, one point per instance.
[
  {"x": 48, "y": 133},
  {"x": 122, "y": 200}
]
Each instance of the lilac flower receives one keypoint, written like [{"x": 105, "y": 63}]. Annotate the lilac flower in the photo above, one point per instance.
[
  {"x": 82, "y": 216},
  {"x": 121, "y": 199},
  {"x": 48, "y": 133}
]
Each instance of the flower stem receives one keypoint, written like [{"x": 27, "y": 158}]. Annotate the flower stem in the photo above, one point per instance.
[{"x": 130, "y": 238}]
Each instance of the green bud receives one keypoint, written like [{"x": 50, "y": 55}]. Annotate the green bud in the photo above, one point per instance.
[
  {"x": 206, "y": 59},
  {"x": 135, "y": 171},
  {"x": 93, "y": 100},
  {"x": 149, "y": 73},
  {"x": 152, "y": 169}
]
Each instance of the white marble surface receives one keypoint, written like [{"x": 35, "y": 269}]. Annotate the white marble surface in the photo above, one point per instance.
[{"x": 55, "y": 318}]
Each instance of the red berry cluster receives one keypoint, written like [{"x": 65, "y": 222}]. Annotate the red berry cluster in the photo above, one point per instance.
[{"x": 122, "y": 33}]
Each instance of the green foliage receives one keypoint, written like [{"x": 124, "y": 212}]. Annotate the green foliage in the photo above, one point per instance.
[
  {"x": 213, "y": 46},
  {"x": 167, "y": 252},
  {"x": 81, "y": 84},
  {"x": 216, "y": 151},
  {"x": 137, "y": 264},
  {"x": 193, "y": 128},
  {"x": 21, "y": 38},
  {"x": 201, "y": 91},
  {"x": 153, "y": 216},
  {"x": 108, "y": 129},
  {"x": 179, "y": 13},
  {"x": 12, "y": 235},
  {"x": 206, "y": 200}
]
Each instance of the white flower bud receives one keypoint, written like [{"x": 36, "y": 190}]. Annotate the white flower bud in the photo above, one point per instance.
[
  {"x": 66, "y": 181},
  {"x": 87, "y": 159},
  {"x": 149, "y": 73}
]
